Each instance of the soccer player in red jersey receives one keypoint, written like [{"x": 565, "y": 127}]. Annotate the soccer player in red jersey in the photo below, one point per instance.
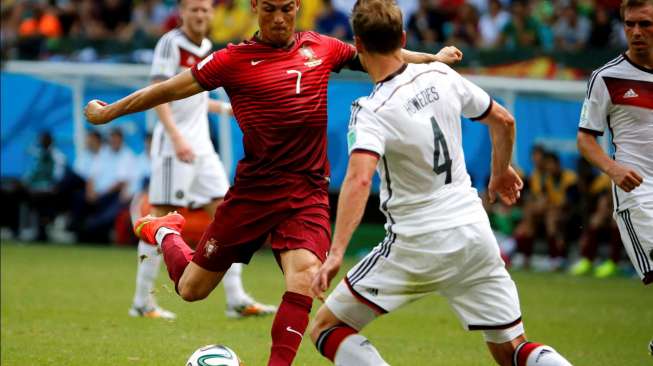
[{"x": 277, "y": 85}]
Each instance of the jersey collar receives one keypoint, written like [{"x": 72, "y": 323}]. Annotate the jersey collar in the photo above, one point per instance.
[
  {"x": 392, "y": 76},
  {"x": 640, "y": 67},
  {"x": 256, "y": 40}
]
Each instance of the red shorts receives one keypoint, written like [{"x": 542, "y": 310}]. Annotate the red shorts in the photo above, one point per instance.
[{"x": 241, "y": 227}]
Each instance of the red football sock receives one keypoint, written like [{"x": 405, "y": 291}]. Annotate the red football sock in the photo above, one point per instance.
[
  {"x": 522, "y": 352},
  {"x": 329, "y": 340},
  {"x": 177, "y": 255},
  {"x": 288, "y": 328}
]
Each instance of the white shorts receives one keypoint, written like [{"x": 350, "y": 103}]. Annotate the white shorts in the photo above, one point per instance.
[
  {"x": 195, "y": 184},
  {"x": 636, "y": 229},
  {"x": 462, "y": 264}
]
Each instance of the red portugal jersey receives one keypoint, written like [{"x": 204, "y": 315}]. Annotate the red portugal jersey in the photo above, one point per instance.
[{"x": 279, "y": 98}]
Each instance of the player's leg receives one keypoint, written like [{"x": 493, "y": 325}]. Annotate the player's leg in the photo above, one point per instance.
[
  {"x": 485, "y": 298},
  {"x": 299, "y": 266},
  {"x": 169, "y": 183},
  {"x": 192, "y": 281},
  {"x": 148, "y": 265},
  {"x": 373, "y": 287},
  {"x": 209, "y": 188},
  {"x": 519, "y": 352},
  {"x": 341, "y": 342},
  {"x": 637, "y": 237}
]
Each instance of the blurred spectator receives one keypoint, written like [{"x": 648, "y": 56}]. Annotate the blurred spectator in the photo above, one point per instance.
[
  {"x": 107, "y": 188},
  {"x": 464, "y": 27},
  {"x": 32, "y": 202},
  {"x": 571, "y": 30},
  {"x": 546, "y": 207},
  {"x": 558, "y": 184},
  {"x": 41, "y": 21},
  {"x": 149, "y": 17},
  {"x": 604, "y": 30},
  {"x": 108, "y": 19},
  {"x": 522, "y": 30},
  {"x": 232, "y": 22},
  {"x": 492, "y": 23},
  {"x": 593, "y": 207},
  {"x": 42, "y": 183},
  {"x": 333, "y": 22},
  {"x": 426, "y": 25},
  {"x": 38, "y": 23}
]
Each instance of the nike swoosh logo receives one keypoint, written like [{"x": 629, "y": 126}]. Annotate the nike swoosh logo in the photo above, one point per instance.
[
  {"x": 256, "y": 62},
  {"x": 294, "y": 331}
]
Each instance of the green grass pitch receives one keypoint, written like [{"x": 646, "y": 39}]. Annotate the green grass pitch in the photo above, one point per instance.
[{"x": 67, "y": 305}]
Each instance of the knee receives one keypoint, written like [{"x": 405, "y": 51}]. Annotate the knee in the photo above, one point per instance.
[
  {"x": 301, "y": 278},
  {"x": 318, "y": 325},
  {"x": 190, "y": 293}
]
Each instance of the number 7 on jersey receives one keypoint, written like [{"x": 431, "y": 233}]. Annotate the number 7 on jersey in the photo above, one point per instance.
[{"x": 299, "y": 79}]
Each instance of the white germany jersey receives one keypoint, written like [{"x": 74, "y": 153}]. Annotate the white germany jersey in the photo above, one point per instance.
[
  {"x": 173, "y": 54},
  {"x": 620, "y": 98},
  {"x": 412, "y": 121}
]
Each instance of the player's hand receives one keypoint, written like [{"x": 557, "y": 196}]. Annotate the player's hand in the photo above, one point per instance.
[
  {"x": 625, "y": 177},
  {"x": 506, "y": 185},
  {"x": 183, "y": 150},
  {"x": 325, "y": 274},
  {"x": 449, "y": 55},
  {"x": 95, "y": 112}
]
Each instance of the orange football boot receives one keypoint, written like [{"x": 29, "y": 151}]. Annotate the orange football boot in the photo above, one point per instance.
[{"x": 146, "y": 227}]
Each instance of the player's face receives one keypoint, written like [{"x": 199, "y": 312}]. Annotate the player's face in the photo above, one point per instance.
[
  {"x": 638, "y": 24},
  {"x": 196, "y": 15},
  {"x": 276, "y": 20}
]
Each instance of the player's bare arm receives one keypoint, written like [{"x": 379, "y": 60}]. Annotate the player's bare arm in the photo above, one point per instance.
[
  {"x": 624, "y": 177},
  {"x": 449, "y": 55},
  {"x": 504, "y": 181},
  {"x": 351, "y": 206},
  {"x": 179, "y": 87}
]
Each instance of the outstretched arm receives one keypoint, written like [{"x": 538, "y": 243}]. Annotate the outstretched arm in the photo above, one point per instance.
[
  {"x": 179, "y": 87},
  {"x": 624, "y": 177},
  {"x": 351, "y": 206},
  {"x": 449, "y": 55},
  {"x": 504, "y": 181}
]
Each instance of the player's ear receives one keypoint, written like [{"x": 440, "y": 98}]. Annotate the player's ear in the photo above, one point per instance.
[
  {"x": 297, "y": 4},
  {"x": 359, "y": 45},
  {"x": 403, "y": 39},
  {"x": 254, "y": 3}
]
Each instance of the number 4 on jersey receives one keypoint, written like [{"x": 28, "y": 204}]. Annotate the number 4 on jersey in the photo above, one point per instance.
[{"x": 440, "y": 142}]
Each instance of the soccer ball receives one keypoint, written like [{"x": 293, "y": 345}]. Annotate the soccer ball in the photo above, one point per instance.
[{"x": 213, "y": 355}]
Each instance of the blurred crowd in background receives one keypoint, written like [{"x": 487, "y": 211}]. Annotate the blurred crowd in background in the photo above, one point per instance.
[
  {"x": 563, "y": 222},
  {"x": 89, "y": 30},
  {"x": 87, "y": 200}
]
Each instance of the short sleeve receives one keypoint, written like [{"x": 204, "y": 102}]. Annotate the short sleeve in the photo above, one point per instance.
[
  {"x": 365, "y": 131},
  {"x": 594, "y": 115},
  {"x": 165, "y": 62},
  {"x": 211, "y": 71},
  {"x": 475, "y": 102},
  {"x": 341, "y": 53}
]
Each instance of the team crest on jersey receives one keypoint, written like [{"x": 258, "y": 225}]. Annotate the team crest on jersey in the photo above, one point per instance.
[
  {"x": 210, "y": 247},
  {"x": 309, "y": 55}
]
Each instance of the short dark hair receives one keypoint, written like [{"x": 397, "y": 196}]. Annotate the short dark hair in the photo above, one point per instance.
[
  {"x": 625, "y": 4},
  {"x": 378, "y": 24}
]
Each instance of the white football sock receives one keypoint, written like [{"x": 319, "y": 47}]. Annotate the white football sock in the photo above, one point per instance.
[
  {"x": 357, "y": 350},
  {"x": 161, "y": 234},
  {"x": 149, "y": 262},
  {"x": 536, "y": 354},
  {"x": 233, "y": 286}
]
